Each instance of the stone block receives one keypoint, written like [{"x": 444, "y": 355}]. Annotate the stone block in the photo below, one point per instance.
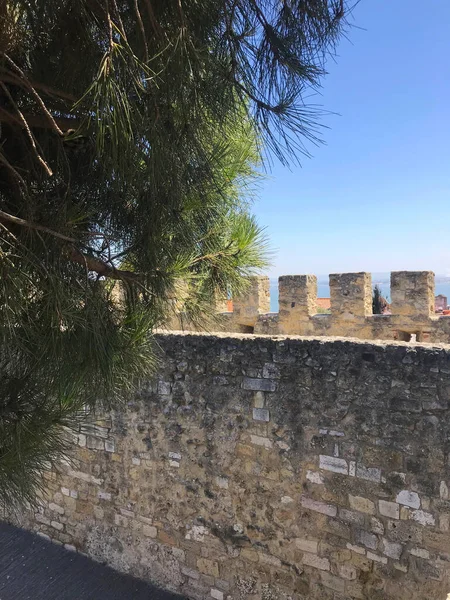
[
  {"x": 208, "y": 567},
  {"x": 314, "y": 477},
  {"x": 331, "y": 463},
  {"x": 306, "y": 545},
  {"x": 412, "y": 293},
  {"x": 392, "y": 549},
  {"x": 297, "y": 300},
  {"x": 350, "y": 295},
  {"x": 321, "y": 507},
  {"x": 262, "y": 385},
  {"x": 420, "y": 553},
  {"x": 217, "y": 594},
  {"x": 312, "y": 560},
  {"x": 377, "y": 558},
  {"x": 408, "y": 498},
  {"x": 56, "y": 508},
  {"x": 253, "y": 302},
  {"x": 334, "y": 583},
  {"x": 370, "y": 474},
  {"x": 389, "y": 509},
  {"x": 422, "y": 517},
  {"x": 347, "y": 571},
  {"x": 261, "y": 414},
  {"x": 261, "y": 441},
  {"x": 367, "y": 539},
  {"x": 110, "y": 446},
  {"x": 362, "y": 504},
  {"x": 94, "y": 443},
  {"x": 352, "y": 517}
]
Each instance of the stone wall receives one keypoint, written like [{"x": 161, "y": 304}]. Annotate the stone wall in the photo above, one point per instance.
[
  {"x": 269, "y": 468},
  {"x": 412, "y": 308}
]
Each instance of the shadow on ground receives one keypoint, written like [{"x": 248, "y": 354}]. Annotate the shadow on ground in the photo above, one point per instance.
[{"x": 34, "y": 568}]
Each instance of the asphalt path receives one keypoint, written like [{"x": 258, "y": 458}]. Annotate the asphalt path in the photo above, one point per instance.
[{"x": 32, "y": 568}]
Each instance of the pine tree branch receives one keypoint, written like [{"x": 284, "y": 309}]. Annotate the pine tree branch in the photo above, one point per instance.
[{"x": 75, "y": 255}]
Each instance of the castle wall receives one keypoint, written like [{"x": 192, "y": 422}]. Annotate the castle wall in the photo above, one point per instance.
[
  {"x": 269, "y": 468},
  {"x": 412, "y": 309}
]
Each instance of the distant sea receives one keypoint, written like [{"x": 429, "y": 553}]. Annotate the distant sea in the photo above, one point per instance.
[{"x": 323, "y": 289}]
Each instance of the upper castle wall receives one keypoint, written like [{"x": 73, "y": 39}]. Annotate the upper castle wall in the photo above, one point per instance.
[{"x": 412, "y": 308}]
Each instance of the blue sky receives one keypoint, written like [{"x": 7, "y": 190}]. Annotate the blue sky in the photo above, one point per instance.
[{"x": 376, "y": 197}]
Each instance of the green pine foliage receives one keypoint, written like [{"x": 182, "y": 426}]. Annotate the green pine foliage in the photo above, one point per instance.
[{"x": 131, "y": 133}]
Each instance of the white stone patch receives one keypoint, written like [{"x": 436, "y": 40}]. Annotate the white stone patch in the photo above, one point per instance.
[
  {"x": 104, "y": 496},
  {"x": 56, "y": 508},
  {"x": 65, "y": 491},
  {"x": 197, "y": 533},
  {"x": 174, "y": 463},
  {"x": 375, "y": 557},
  {"x": 408, "y": 498},
  {"x": 357, "y": 549},
  {"x": 217, "y": 594},
  {"x": 392, "y": 549},
  {"x": 283, "y": 445},
  {"x": 443, "y": 491},
  {"x": 334, "y": 464},
  {"x": 164, "y": 388},
  {"x": 423, "y": 517},
  {"x": 352, "y": 468},
  {"x": 320, "y": 507},
  {"x": 174, "y": 456},
  {"x": 420, "y": 552},
  {"x": 370, "y": 473},
  {"x": 136, "y": 461},
  {"x": 336, "y": 433},
  {"x": 314, "y": 477},
  {"x": 261, "y": 441},
  {"x": 312, "y": 560},
  {"x": 307, "y": 545},
  {"x": 286, "y": 500},
  {"x": 222, "y": 482},
  {"x": 84, "y": 477},
  {"x": 110, "y": 446}
]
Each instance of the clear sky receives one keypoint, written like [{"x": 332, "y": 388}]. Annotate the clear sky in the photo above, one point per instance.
[{"x": 376, "y": 197}]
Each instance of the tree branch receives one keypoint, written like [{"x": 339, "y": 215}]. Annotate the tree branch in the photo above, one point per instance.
[
  {"x": 39, "y": 121},
  {"x": 101, "y": 268},
  {"x": 75, "y": 255}
]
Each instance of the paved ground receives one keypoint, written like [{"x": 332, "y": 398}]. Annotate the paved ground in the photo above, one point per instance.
[{"x": 33, "y": 568}]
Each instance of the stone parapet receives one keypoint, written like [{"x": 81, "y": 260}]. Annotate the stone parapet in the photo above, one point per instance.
[
  {"x": 268, "y": 468},
  {"x": 412, "y": 315}
]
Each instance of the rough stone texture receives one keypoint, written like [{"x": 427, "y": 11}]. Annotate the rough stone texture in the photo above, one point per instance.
[
  {"x": 254, "y": 301},
  {"x": 297, "y": 299},
  {"x": 412, "y": 318},
  {"x": 204, "y": 500}
]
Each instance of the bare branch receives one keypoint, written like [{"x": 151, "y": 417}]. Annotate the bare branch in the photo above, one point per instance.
[
  {"x": 28, "y": 130},
  {"x": 33, "y": 92}
]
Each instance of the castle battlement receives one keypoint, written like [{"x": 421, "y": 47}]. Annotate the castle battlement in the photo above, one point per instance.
[{"x": 412, "y": 308}]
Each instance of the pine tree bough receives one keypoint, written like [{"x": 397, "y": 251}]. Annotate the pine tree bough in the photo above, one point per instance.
[{"x": 131, "y": 138}]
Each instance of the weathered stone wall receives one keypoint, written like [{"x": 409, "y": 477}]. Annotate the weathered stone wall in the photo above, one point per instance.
[
  {"x": 412, "y": 307},
  {"x": 270, "y": 468}
]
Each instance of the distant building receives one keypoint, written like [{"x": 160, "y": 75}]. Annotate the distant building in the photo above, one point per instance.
[
  {"x": 323, "y": 304},
  {"x": 440, "y": 303}
]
